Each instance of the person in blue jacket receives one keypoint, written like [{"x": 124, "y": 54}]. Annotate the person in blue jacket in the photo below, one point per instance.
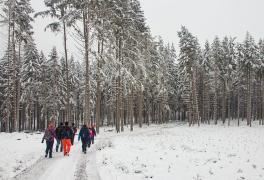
[{"x": 84, "y": 135}]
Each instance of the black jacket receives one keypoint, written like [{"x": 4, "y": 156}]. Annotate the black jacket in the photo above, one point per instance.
[
  {"x": 58, "y": 132},
  {"x": 66, "y": 133}
]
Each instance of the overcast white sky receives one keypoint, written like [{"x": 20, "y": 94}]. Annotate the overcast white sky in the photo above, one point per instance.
[{"x": 204, "y": 18}]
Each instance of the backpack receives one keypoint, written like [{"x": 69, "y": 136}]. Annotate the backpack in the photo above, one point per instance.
[
  {"x": 48, "y": 135},
  {"x": 91, "y": 133},
  {"x": 85, "y": 133},
  {"x": 65, "y": 133},
  {"x": 58, "y": 132}
]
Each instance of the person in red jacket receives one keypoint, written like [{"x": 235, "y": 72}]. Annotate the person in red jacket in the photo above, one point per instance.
[
  {"x": 49, "y": 137},
  {"x": 66, "y": 135},
  {"x": 93, "y": 131}
]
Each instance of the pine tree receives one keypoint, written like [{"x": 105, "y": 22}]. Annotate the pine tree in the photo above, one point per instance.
[
  {"x": 248, "y": 58},
  {"x": 30, "y": 73},
  {"x": 53, "y": 78},
  {"x": 188, "y": 59},
  {"x": 58, "y": 10}
]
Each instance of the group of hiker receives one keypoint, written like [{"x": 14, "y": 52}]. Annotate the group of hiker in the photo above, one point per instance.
[{"x": 64, "y": 135}]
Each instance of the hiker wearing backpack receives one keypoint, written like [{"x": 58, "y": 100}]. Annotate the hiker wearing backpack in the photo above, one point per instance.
[
  {"x": 74, "y": 129},
  {"x": 58, "y": 134},
  {"x": 66, "y": 135},
  {"x": 84, "y": 135},
  {"x": 49, "y": 136},
  {"x": 93, "y": 134}
]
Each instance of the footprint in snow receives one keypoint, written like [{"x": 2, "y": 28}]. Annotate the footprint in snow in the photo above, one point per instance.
[
  {"x": 197, "y": 177},
  {"x": 254, "y": 166},
  {"x": 148, "y": 177},
  {"x": 211, "y": 172},
  {"x": 240, "y": 171}
]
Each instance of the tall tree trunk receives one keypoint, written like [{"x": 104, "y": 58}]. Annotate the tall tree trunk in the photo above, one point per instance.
[
  {"x": 131, "y": 108},
  {"x": 122, "y": 107},
  {"x": 224, "y": 103},
  {"x": 262, "y": 88},
  {"x": 14, "y": 79},
  {"x": 18, "y": 86},
  {"x": 206, "y": 104},
  {"x": 98, "y": 90},
  {"x": 9, "y": 84},
  {"x": 118, "y": 84},
  {"x": 140, "y": 106},
  {"x": 249, "y": 95},
  {"x": 238, "y": 107},
  {"x": 68, "y": 109},
  {"x": 215, "y": 97},
  {"x": 87, "y": 115},
  {"x": 261, "y": 97},
  {"x": 195, "y": 97}
]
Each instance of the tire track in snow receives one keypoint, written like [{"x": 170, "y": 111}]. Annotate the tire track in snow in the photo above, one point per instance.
[
  {"x": 80, "y": 173},
  {"x": 87, "y": 167},
  {"x": 59, "y": 167},
  {"x": 77, "y": 166},
  {"x": 35, "y": 170},
  {"x": 91, "y": 168}
]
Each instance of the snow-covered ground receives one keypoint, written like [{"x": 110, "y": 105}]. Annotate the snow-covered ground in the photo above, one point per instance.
[
  {"x": 171, "y": 151},
  {"x": 18, "y": 151},
  {"x": 179, "y": 152},
  {"x": 23, "y": 159}
]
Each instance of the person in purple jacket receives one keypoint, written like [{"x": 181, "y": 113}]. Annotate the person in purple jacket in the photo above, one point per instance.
[{"x": 49, "y": 137}]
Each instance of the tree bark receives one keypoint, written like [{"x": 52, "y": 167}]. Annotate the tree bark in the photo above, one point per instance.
[
  {"x": 249, "y": 95},
  {"x": 68, "y": 109},
  {"x": 87, "y": 115}
]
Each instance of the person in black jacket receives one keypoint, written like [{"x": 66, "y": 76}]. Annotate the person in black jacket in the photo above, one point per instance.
[
  {"x": 84, "y": 135},
  {"x": 66, "y": 136},
  {"x": 58, "y": 134}
]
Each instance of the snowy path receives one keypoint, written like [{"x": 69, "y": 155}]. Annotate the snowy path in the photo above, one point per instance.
[{"x": 73, "y": 167}]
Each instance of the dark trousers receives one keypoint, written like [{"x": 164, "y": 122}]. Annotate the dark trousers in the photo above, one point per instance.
[
  {"x": 89, "y": 142},
  {"x": 92, "y": 140},
  {"x": 59, "y": 143},
  {"x": 49, "y": 147},
  {"x": 84, "y": 145}
]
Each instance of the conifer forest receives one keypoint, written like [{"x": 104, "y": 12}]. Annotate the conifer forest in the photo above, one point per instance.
[{"x": 126, "y": 77}]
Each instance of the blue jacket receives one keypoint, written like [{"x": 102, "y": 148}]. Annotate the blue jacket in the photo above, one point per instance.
[{"x": 84, "y": 134}]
